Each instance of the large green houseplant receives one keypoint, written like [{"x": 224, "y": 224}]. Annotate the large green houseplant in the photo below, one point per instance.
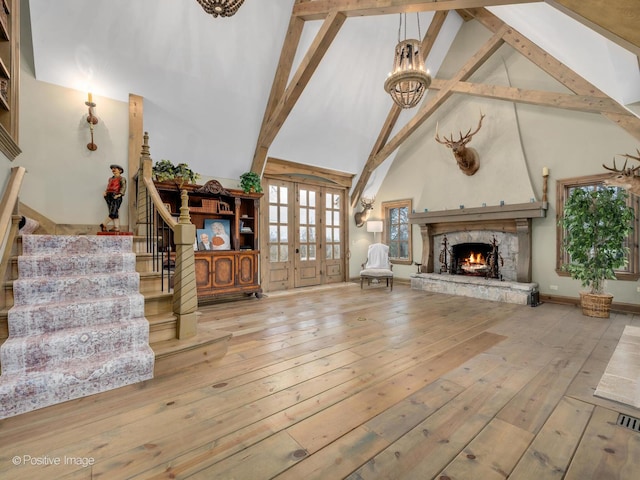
[{"x": 597, "y": 223}]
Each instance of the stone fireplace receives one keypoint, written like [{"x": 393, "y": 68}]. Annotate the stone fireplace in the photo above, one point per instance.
[{"x": 449, "y": 237}]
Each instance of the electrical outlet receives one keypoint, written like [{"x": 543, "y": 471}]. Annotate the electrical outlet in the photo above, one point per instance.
[
  {"x": 638, "y": 289},
  {"x": 555, "y": 287}
]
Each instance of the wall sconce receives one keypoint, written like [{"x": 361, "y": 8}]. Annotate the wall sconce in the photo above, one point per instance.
[
  {"x": 92, "y": 120},
  {"x": 374, "y": 226}
]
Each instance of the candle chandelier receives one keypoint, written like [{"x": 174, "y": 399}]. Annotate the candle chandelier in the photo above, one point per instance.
[
  {"x": 409, "y": 79},
  {"x": 223, "y": 8}
]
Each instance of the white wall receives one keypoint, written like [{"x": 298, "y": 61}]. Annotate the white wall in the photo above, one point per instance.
[
  {"x": 65, "y": 180},
  {"x": 514, "y": 144}
]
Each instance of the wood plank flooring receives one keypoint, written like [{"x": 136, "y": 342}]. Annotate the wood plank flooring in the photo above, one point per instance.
[{"x": 338, "y": 382}]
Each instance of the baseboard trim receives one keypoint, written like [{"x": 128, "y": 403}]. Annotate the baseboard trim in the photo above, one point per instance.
[{"x": 617, "y": 307}]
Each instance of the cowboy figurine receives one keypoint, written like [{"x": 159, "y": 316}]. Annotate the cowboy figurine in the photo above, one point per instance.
[{"x": 116, "y": 187}]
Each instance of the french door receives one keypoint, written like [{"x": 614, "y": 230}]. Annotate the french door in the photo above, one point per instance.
[
  {"x": 307, "y": 259},
  {"x": 304, "y": 244}
]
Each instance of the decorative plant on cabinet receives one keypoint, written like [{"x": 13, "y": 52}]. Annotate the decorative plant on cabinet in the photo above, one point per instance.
[
  {"x": 165, "y": 170},
  {"x": 250, "y": 182}
]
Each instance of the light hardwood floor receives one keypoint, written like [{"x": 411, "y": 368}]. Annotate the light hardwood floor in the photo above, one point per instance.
[{"x": 340, "y": 382}]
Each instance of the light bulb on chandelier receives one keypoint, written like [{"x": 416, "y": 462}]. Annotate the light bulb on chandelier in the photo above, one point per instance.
[{"x": 409, "y": 79}]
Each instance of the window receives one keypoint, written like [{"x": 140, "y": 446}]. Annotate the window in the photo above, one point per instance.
[
  {"x": 563, "y": 189},
  {"x": 398, "y": 230}
]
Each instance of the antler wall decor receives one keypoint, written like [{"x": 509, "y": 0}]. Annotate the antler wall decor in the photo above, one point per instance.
[
  {"x": 626, "y": 178},
  {"x": 367, "y": 206},
  {"x": 467, "y": 158}
]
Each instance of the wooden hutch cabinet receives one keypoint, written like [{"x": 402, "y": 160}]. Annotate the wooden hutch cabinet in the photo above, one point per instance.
[{"x": 229, "y": 218}]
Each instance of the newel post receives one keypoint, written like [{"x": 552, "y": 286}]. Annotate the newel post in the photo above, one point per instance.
[{"x": 185, "y": 296}]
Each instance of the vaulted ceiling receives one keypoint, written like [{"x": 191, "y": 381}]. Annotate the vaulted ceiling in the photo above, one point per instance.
[{"x": 302, "y": 80}]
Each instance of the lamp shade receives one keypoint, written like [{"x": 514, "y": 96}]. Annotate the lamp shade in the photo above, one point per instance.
[{"x": 374, "y": 226}]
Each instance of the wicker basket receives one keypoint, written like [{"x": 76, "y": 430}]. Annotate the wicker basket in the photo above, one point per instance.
[{"x": 596, "y": 304}]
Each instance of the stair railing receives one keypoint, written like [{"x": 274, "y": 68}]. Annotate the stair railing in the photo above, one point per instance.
[
  {"x": 9, "y": 218},
  {"x": 161, "y": 227}
]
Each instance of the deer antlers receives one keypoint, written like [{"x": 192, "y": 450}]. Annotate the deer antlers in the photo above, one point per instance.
[
  {"x": 464, "y": 139},
  {"x": 367, "y": 206},
  {"x": 626, "y": 178},
  {"x": 467, "y": 158}
]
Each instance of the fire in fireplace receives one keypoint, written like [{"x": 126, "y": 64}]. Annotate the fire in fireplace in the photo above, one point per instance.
[{"x": 470, "y": 259}]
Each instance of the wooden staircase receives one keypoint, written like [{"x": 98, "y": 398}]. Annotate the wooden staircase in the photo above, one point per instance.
[{"x": 170, "y": 353}]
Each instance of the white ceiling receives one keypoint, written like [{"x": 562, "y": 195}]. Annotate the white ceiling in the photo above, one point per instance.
[{"x": 206, "y": 80}]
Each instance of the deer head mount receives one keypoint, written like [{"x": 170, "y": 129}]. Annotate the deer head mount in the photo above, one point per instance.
[
  {"x": 626, "y": 178},
  {"x": 367, "y": 206},
  {"x": 467, "y": 158}
]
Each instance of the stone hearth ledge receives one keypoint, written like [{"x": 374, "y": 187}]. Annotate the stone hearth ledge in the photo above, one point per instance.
[{"x": 476, "y": 287}]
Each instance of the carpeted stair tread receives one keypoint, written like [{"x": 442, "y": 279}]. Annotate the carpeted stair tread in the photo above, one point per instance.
[
  {"x": 38, "y": 319},
  {"x": 31, "y": 353},
  {"x": 23, "y": 393},
  {"x": 41, "y": 290},
  {"x": 49, "y": 265},
  {"x": 75, "y": 244}
]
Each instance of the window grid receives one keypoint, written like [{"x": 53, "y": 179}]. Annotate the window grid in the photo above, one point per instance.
[
  {"x": 398, "y": 230},
  {"x": 278, "y": 223},
  {"x": 332, "y": 225}
]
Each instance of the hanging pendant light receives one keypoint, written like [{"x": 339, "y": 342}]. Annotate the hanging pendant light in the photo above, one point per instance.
[
  {"x": 223, "y": 8},
  {"x": 409, "y": 79}
]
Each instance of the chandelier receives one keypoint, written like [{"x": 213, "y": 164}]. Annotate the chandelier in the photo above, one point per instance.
[
  {"x": 223, "y": 8},
  {"x": 409, "y": 79}
]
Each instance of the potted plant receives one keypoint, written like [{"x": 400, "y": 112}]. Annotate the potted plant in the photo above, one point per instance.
[
  {"x": 184, "y": 174},
  {"x": 597, "y": 223},
  {"x": 250, "y": 182},
  {"x": 165, "y": 170}
]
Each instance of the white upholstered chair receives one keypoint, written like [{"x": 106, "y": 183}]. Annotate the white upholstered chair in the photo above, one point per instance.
[{"x": 378, "y": 266}]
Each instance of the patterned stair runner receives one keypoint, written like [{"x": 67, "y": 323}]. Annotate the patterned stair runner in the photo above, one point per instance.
[{"x": 77, "y": 326}]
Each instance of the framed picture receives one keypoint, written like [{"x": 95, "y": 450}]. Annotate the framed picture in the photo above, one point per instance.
[
  {"x": 219, "y": 231},
  {"x": 203, "y": 239}
]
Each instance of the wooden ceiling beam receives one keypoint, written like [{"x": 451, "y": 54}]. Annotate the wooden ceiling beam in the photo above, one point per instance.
[
  {"x": 556, "y": 69},
  {"x": 319, "y": 9},
  {"x": 328, "y": 31},
  {"x": 392, "y": 117},
  {"x": 618, "y": 21},
  {"x": 567, "y": 101},
  {"x": 285, "y": 64},
  {"x": 279, "y": 168}
]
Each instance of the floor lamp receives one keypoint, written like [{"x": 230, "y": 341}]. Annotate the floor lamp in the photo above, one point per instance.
[{"x": 374, "y": 226}]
